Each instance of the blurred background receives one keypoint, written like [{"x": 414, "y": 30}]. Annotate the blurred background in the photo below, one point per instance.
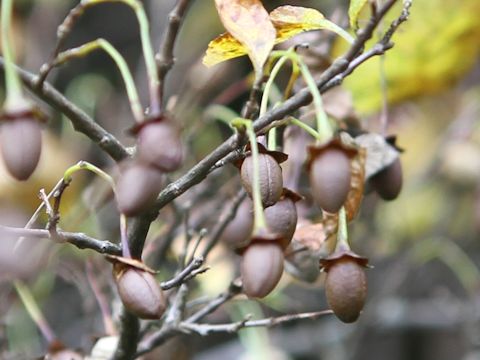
[{"x": 424, "y": 287}]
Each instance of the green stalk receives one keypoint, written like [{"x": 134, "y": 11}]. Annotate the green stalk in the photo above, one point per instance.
[
  {"x": 221, "y": 113},
  {"x": 323, "y": 125},
  {"x": 12, "y": 81},
  {"x": 103, "y": 44},
  {"x": 305, "y": 127},
  {"x": 83, "y": 165},
  {"x": 342, "y": 234},
  {"x": 272, "y": 134},
  {"x": 259, "y": 221},
  {"x": 147, "y": 48},
  {"x": 259, "y": 218},
  {"x": 33, "y": 310}
]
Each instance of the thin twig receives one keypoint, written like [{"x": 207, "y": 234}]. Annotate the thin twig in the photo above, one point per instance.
[
  {"x": 80, "y": 120},
  {"x": 165, "y": 58},
  {"x": 181, "y": 277},
  {"x": 234, "y": 289},
  {"x": 206, "y": 329},
  {"x": 79, "y": 240}
]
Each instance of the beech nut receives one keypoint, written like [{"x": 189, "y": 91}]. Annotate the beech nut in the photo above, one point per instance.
[
  {"x": 238, "y": 231},
  {"x": 160, "y": 145},
  {"x": 261, "y": 268},
  {"x": 388, "y": 182},
  {"x": 330, "y": 177},
  {"x": 270, "y": 175},
  {"x": 140, "y": 293},
  {"x": 21, "y": 141},
  {"x": 346, "y": 288},
  {"x": 137, "y": 188},
  {"x": 281, "y": 219}
]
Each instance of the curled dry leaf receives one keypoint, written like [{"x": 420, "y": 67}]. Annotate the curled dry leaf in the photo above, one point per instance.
[
  {"x": 357, "y": 184},
  {"x": 288, "y": 21},
  {"x": 310, "y": 243},
  {"x": 379, "y": 153},
  {"x": 249, "y": 23}
]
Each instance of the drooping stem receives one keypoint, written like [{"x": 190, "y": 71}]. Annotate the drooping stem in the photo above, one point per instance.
[
  {"x": 34, "y": 311},
  {"x": 149, "y": 55},
  {"x": 84, "y": 165},
  {"x": 323, "y": 125},
  {"x": 147, "y": 47},
  {"x": 103, "y": 44},
  {"x": 259, "y": 217},
  {"x": 305, "y": 127},
  {"x": 12, "y": 81},
  {"x": 259, "y": 220},
  {"x": 272, "y": 134},
  {"x": 342, "y": 234}
]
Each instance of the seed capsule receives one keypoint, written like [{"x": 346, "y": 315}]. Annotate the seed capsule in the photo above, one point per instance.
[
  {"x": 270, "y": 175},
  {"x": 388, "y": 182},
  {"x": 160, "y": 145},
  {"x": 330, "y": 177},
  {"x": 137, "y": 188},
  {"x": 21, "y": 141},
  {"x": 238, "y": 231},
  {"x": 281, "y": 219},
  {"x": 261, "y": 268},
  {"x": 346, "y": 288},
  {"x": 141, "y": 293}
]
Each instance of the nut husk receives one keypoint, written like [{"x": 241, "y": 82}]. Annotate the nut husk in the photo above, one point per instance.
[
  {"x": 21, "y": 142},
  {"x": 281, "y": 219},
  {"x": 388, "y": 182},
  {"x": 270, "y": 174},
  {"x": 261, "y": 268},
  {"x": 238, "y": 231},
  {"x": 346, "y": 285},
  {"x": 330, "y": 175},
  {"x": 160, "y": 145},
  {"x": 137, "y": 188},
  {"x": 140, "y": 292}
]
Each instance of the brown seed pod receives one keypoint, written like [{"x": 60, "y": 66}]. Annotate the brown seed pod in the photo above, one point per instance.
[
  {"x": 21, "y": 141},
  {"x": 137, "y": 188},
  {"x": 388, "y": 182},
  {"x": 160, "y": 145},
  {"x": 261, "y": 268},
  {"x": 140, "y": 292},
  {"x": 270, "y": 174},
  {"x": 281, "y": 219},
  {"x": 330, "y": 177},
  {"x": 346, "y": 286},
  {"x": 238, "y": 231}
]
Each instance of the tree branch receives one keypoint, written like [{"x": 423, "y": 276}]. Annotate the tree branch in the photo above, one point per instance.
[
  {"x": 185, "y": 274},
  {"x": 206, "y": 329},
  {"x": 79, "y": 119},
  {"x": 165, "y": 58},
  {"x": 79, "y": 240}
]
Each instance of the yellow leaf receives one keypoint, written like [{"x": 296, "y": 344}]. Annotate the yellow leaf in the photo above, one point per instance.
[
  {"x": 354, "y": 10},
  {"x": 431, "y": 53},
  {"x": 288, "y": 21},
  {"x": 249, "y": 23},
  {"x": 292, "y": 20}
]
